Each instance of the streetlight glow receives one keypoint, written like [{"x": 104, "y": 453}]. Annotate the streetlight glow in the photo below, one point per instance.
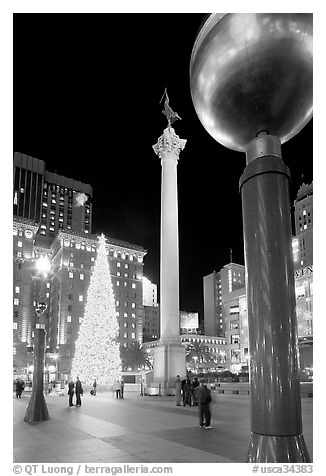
[{"x": 43, "y": 265}]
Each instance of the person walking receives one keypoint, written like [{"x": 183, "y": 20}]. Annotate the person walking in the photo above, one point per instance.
[
  {"x": 71, "y": 391},
  {"x": 178, "y": 391},
  {"x": 94, "y": 387},
  {"x": 203, "y": 397},
  {"x": 118, "y": 389},
  {"x": 19, "y": 388},
  {"x": 194, "y": 385},
  {"x": 79, "y": 392},
  {"x": 187, "y": 389},
  {"x": 122, "y": 387}
]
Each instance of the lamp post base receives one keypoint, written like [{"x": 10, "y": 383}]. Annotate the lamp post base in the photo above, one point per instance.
[
  {"x": 37, "y": 409},
  {"x": 277, "y": 449}
]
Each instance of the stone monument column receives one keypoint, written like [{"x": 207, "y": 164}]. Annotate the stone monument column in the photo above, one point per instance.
[{"x": 169, "y": 355}]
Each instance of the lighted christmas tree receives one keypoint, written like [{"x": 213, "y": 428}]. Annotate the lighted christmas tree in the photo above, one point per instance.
[{"x": 97, "y": 353}]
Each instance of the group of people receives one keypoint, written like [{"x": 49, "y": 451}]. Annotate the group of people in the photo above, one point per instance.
[
  {"x": 75, "y": 388},
  {"x": 195, "y": 393}
]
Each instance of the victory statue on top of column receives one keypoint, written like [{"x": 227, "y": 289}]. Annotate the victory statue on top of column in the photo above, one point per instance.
[{"x": 170, "y": 115}]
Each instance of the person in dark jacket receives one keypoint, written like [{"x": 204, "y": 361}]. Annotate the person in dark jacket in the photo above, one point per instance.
[
  {"x": 194, "y": 385},
  {"x": 122, "y": 387},
  {"x": 94, "y": 387},
  {"x": 203, "y": 397},
  {"x": 187, "y": 393},
  {"x": 19, "y": 388},
  {"x": 71, "y": 391},
  {"x": 79, "y": 392}
]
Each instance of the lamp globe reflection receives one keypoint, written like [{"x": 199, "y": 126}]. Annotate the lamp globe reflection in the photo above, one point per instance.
[{"x": 251, "y": 73}]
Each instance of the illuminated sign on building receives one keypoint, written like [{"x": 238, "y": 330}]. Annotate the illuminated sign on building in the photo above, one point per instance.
[{"x": 304, "y": 272}]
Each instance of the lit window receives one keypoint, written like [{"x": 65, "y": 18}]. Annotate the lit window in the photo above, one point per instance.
[
  {"x": 117, "y": 303},
  {"x": 71, "y": 274},
  {"x": 133, "y": 335},
  {"x": 88, "y": 248},
  {"x": 48, "y": 285},
  {"x": 47, "y": 295},
  {"x": 125, "y": 314},
  {"x": 61, "y": 219},
  {"x": 44, "y": 227},
  {"x": 15, "y": 231},
  {"x": 126, "y": 275},
  {"x": 133, "y": 286},
  {"x": 19, "y": 254},
  {"x": 68, "y": 318},
  {"x": 126, "y": 265},
  {"x": 81, "y": 298},
  {"x": 133, "y": 305},
  {"x": 133, "y": 315},
  {"x": 305, "y": 227},
  {"x": 14, "y": 325},
  {"x": 16, "y": 302},
  {"x": 130, "y": 257},
  {"x": 20, "y": 233},
  {"x": 78, "y": 246},
  {"x": 125, "y": 324},
  {"x": 133, "y": 325},
  {"x": 17, "y": 289},
  {"x": 66, "y": 243},
  {"x": 125, "y": 284},
  {"x": 118, "y": 283},
  {"x": 92, "y": 258},
  {"x": 82, "y": 266},
  {"x": 81, "y": 276},
  {"x": 125, "y": 335},
  {"x": 117, "y": 313},
  {"x": 118, "y": 273},
  {"x": 71, "y": 264},
  {"x": 80, "y": 319},
  {"x": 118, "y": 264}
]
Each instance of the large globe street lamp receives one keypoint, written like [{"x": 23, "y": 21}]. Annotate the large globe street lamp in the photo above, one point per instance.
[
  {"x": 251, "y": 86},
  {"x": 37, "y": 409}
]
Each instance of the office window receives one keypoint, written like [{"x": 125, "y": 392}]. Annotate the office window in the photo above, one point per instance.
[
  {"x": 125, "y": 314},
  {"x": 17, "y": 289},
  {"x": 48, "y": 285},
  {"x": 125, "y": 324},
  {"x": 14, "y": 325},
  {"x": 133, "y": 335},
  {"x": 118, "y": 283},
  {"x": 133, "y": 285},
  {"x": 16, "y": 302},
  {"x": 19, "y": 254},
  {"x": 118, "y": 273},
  {"x": 118, "y": 264},
  {"x": 126, "y": 265},
  {"x": 20, "y": 244},
  {"x": 81, "y": 298},
  {"x": 117, "y": 313},
  {"x": 117, "y": 303},
  {"x": 133, "y": 304},
  {"x": 68, "y": 318},
  {"x": 81, "y": 276},
  {"x": 71, "y": 274},
  {"x": 125, "y": 335}
]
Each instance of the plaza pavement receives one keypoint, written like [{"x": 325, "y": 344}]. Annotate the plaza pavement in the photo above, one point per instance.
[{"x": 137, "y": 429}]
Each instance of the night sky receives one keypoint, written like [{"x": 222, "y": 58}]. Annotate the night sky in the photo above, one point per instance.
[{"x": 86, "y": 101}]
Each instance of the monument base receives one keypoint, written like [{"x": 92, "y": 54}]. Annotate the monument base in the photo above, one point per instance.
[
  {"x": 277, "y": 449},
  {"x": 169, "y": 361}
]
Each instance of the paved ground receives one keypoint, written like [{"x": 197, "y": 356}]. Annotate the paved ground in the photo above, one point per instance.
[{"x": 137, "y": 430}]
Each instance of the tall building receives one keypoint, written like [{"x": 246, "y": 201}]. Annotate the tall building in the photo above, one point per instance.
[
  {"x": 59, "y": 227},
  {"x": 303, "y": 221},
  {"x": 217, "y": 286},
  {"x": 149, "y": 292},
  {"x": 51, "y": 200},
  {"x": 151, "y": 324},
  {"x": 302, "y": 244}
]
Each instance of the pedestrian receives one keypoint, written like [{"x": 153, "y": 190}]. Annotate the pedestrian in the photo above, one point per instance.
[
  {"x": 122, "y": 387},
  {"x": 71, "y": 391},
  {"x": 183, "y": 383},
  {"x": 187, "y": 390},
  {"x": 178, "y": 391},
  {"x": 194, "y": 385},
  {"x": 118, "y": 389},
  {"x": 203, "y": 397},
  {"x": 79, "y": 392},
  {"x": 94, "y": 387},
  {"x": 19, "y": 388}
]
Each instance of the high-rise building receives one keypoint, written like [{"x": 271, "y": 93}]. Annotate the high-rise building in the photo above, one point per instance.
[
  {"x": 151, "y": 325},
  {"x": 217, "y": 286},
  {"x": 303, "y": 220},
  {"x": 51, "y": 200},
  {"x": 149, "y": 292}
]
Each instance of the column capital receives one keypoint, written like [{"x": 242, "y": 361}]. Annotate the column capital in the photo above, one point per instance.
[{"x": 169, "y": 143}]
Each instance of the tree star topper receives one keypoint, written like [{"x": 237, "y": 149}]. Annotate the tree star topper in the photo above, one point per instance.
[{"x": 168, "y": 112}]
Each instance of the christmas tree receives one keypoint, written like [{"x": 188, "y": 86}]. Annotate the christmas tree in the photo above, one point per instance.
[{"x": 97, "y": 353}]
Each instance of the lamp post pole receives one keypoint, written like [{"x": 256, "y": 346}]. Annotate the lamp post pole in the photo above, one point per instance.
[{"x": 37, "y": 408}]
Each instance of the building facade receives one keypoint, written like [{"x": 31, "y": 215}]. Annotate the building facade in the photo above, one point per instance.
[{"x": 216, "y": 288}]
